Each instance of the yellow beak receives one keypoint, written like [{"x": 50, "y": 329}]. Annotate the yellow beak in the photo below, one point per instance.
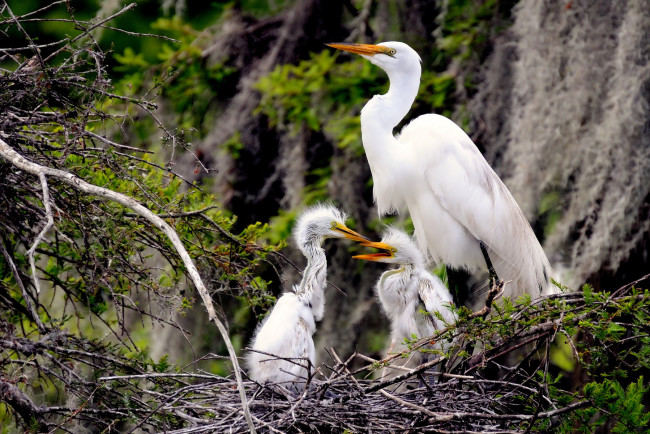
[
  {"x": 386, "y": 251},
  {"x": 352, "y": 235},
  {"x": 363, "y": 49}
]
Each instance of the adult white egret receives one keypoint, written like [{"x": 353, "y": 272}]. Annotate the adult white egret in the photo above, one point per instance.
[
  {"x": 454, "y": 197},
  {"x": 283, "y": 348},
  {"x": 411, "y": 296}
]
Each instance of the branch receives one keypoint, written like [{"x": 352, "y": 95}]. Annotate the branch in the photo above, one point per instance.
[
  {"x": 48, "y": 225},
  {"x": 36, "y": 169},
  {"x": 158, "y": 375},
  {"x": 23, "y": 405},
  {"x": 385, "y": 383},
  {"x": 19, "y": 282},
  {"x": 179, "y": 214}
]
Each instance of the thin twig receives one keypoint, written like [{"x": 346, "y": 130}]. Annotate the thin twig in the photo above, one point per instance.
[
  {"x": 49, "y": 223},
  {"x": 179, "y": 214}
]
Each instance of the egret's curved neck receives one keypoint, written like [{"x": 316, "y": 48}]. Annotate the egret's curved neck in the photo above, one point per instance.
[
  {"x": 382, "y": 114},
  {"x": 310, "y": 290},
  {"x": 386, "y": 111}
]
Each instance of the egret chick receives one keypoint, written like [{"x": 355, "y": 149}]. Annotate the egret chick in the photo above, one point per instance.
[
  {"x": 410, "y": 295},
  {"x": 286, "y": 333},
  {"x": 434, "y": 169}
]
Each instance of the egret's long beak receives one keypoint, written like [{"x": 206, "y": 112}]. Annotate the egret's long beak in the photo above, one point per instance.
[
  {"x": 351, "y": 235},
  {"x": 363, "y": 49},
  {"x": 386, "y": 251}
]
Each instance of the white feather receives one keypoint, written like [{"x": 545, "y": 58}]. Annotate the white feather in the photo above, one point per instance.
[{"x": 286, "y": 333}]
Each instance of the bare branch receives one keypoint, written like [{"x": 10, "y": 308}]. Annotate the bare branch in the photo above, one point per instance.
[
  {"x": 23, "y": 290},
  {"x": 23, "y": 405},
  {"x": 41, "y": 236}
]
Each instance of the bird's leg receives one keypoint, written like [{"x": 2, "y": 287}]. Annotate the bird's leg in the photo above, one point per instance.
[
  {"x": 496, "y": 284},
  {"x": 428, "y": 379},
  {"x": 488, "y": 262}
]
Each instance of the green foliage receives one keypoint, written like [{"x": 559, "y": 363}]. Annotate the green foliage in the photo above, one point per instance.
[
  {"x": 101, "y": 260},
  {"x": 625, "y": 406},
  {"x": 319, "y": 94},
  {"x": 104, "y": 270},
  {"x": 467, "y": 24},
  {"x": 436, "y": 92},
  {"x": 181, "y": 74},
  {"x": 325, "y": 95},
  {"x": 280, "y": 227}
]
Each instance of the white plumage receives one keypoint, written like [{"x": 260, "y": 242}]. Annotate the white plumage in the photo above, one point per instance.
[
  {"x": 286, "y": 333},
  {"x": 433, "y": 168},
  {"x": 410, "y": 295}
]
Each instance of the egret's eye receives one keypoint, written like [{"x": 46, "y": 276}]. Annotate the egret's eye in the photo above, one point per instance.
[
  {"x": 393, "y": 250},
  {"x": 392, "y": 51},
  {"x": 334, "y": 225}
]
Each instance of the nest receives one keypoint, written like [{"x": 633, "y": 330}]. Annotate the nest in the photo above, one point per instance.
[
  {"x": 503, "y": 387},
  {"x": 419, "y": 399}
]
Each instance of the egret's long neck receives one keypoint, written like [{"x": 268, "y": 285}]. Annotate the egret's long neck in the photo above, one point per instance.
[
  {"x": 383, "y": 112},
  {"x": 386, "y": 111},
  {"x": 310, "y": 290},
  {"x": 378, "y": 119}
]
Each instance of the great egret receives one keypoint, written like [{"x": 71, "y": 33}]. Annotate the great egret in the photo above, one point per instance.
[
  {"x": 410, "y": 295},
  {"x": 454, "y": 197},
  {"x": 283, "y": 348}
]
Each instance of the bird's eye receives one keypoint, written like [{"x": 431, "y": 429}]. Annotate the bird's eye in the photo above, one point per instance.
[
  {"x": 393, "y": 250},
  {"x": 334, "y": 225},
  {"x": 392, "y": 51}
]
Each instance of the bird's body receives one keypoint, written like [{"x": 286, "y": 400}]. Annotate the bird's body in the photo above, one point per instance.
[
  {"x": 283, "y": 348},
  {"x": 434, "y": 169},
  {"x": 286, "y": 338},
  {"x": 417, "y": 302}
]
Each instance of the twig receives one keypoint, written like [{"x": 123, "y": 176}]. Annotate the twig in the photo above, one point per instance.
[
  {"x": 179, "y": 214},
  {"x": 23, "y": 405},
  {"x": 21, "y": 17},
  {"x": 629, "y": 285},
  {"x": 385, "y": 383},
  {"x": 288, "y": 261},
  {"x": 158, "y": 375},
  {"x": 495, "y": 290},
  {"x": 23, "y": 290},
  {"x": 116, "y": 145},
  {"x": 49, "y": 223}
]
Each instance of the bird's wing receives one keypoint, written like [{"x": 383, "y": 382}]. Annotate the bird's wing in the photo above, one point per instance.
[
  {"x": 436, "y": 297},
  {"x": 302, "y": 344},
  {"x": 465, "y": 186},
  {"x": 494, "y": 217}
]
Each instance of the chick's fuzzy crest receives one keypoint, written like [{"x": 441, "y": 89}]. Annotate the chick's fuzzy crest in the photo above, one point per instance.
[
  {"x": 405, "y": 250},
  {"x": 317, "y": 223}
]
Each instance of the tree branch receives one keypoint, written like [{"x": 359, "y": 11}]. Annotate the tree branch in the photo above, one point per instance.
[
  {"x": 23, "y": 405},
  {"x": 23, "y": 290},
  {"x": 36, "y": 169},
  {"x": 48, "y": 225}
]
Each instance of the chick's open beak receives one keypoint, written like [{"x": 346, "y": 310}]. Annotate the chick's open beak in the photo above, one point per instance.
[
  {"x": 364, "y": 49},
  {"x": 385, "y": 251},
  {"x": 352, "y": 235}
]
